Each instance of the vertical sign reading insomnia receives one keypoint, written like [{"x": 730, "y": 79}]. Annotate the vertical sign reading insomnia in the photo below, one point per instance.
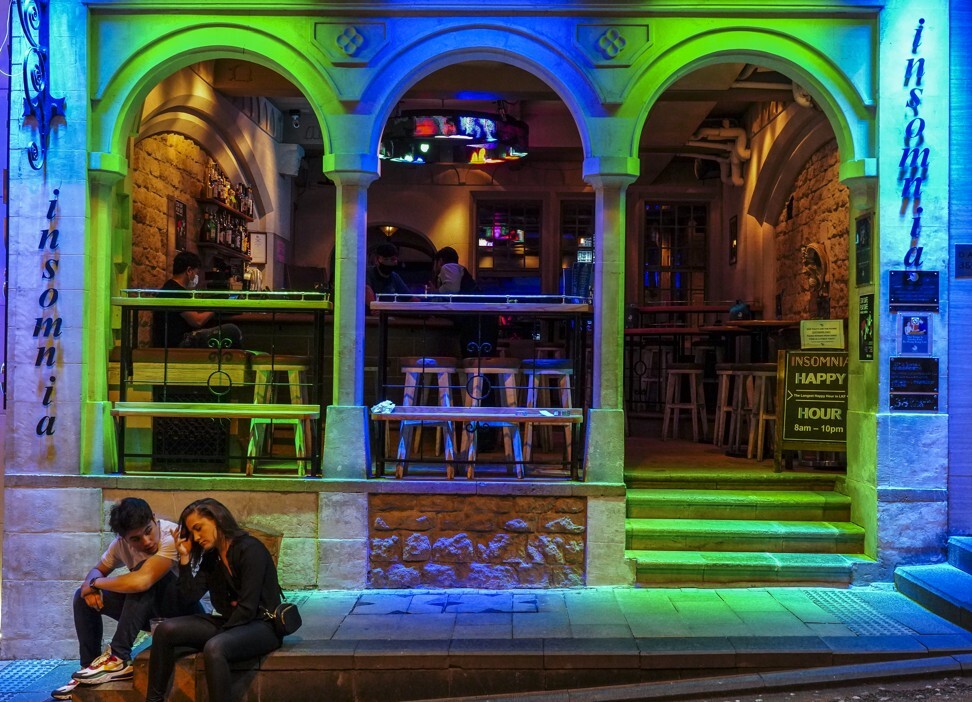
[
  {"x": 915, "y": 156},
  {"x": 47, "y": 326}
]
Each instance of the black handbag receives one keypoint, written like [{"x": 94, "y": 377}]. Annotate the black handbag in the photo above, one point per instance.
[{"x": 286, "y": 619}]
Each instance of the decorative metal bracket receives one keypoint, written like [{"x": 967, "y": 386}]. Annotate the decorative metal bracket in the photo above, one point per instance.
[{"x": 38, "y": 103}]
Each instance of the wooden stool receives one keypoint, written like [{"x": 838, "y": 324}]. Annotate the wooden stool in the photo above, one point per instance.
[
  {"x": 726, "y": 407},
  {"x": 442, "y": 369},
  {"x": 478, "y": 388},
  {"x": 264, "y": 366},
  {"x": 763, "y": 407},
  {"x": 695, "y": 403},
  {"x": 559, "y": 371}
]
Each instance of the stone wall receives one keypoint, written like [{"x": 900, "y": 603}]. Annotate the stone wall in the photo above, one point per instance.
[
  {"x": 476, "y": 541},
  {"x": 163, "y": 166},
  {"x": 819, "y": 214}
]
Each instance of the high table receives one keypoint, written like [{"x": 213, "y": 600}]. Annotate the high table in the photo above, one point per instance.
[
  {"x": 574, "y": 311},
  {"x": 761, "y": 331}
]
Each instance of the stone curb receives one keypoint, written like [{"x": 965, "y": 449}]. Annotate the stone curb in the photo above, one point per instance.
[{"x": 750, "y": 683}]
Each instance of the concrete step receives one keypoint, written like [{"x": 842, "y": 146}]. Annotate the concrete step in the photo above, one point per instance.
[
  {"x": 785, "y": 505},
  {"x": 941, "y": 588},
  {"x": 960, "y": 553},
  {"x": 109, "y": 692},
  {"x": 743, "y": 569},
  {"x": 728, "y": 479},
  {"x": 743, "y": 535}
]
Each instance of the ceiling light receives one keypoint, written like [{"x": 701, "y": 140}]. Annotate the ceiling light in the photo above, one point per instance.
[{"x": 474, "y": 138}]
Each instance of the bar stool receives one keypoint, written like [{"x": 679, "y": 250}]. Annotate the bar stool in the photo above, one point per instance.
[
  {"x": 264, "y": 366},
  {"x": 695, "y": 404},
  {"x": 558, "y": 371},
  {"x": 478, "y": 387},
  {"x": 727, "y": 402},
  {"x": 763, "y": 407},
  {"x": 442, "y": 370}
]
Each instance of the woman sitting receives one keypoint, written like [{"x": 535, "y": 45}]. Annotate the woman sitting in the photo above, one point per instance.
[{"x": 218, "y": 556}]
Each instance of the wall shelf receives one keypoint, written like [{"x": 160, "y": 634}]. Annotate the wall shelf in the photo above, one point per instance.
[
  {"x": 219, "y": 204},
  {"x": 221, "y": 250}
]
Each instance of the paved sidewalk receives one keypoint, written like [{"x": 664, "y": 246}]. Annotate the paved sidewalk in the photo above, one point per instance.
[{"x": 721, "y": 631}]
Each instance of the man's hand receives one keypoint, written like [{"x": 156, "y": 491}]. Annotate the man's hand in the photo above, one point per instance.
[{"x": 93, "y": 599}]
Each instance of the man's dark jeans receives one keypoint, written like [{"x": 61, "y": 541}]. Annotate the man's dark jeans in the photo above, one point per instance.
[{"x": 133, "y": 613}]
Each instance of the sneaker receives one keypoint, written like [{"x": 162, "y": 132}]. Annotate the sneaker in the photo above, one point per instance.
[
  {"x": 104, "y": 668},
  {"x": 64, "y": 691}
]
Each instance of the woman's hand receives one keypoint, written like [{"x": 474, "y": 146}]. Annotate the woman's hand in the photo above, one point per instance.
[{"x": 183, "y": 545}]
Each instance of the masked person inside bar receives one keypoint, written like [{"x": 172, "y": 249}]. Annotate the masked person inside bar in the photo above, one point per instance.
[
  {"x": 188, "y": 328},
  {"x": 382, "y": 277}
]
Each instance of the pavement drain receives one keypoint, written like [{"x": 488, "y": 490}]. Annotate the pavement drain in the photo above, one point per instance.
[
  {"x": 856, "y": 614},
  {"x": 20, "y": 676}
]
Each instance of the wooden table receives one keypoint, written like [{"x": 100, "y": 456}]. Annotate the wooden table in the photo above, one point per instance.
[{"x": 761, "y": 330}]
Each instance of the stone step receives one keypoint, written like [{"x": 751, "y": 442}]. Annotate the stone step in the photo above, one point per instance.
[
  {"x": 109, "y": 692},
  {"x": 743, "y": 569},
  {"x": 728, "y": 479},
  {"x": 785, "y": 505},
  {"x": 960, "y": 553},
  {"x": 743, "y": 535},
  {"x": 941, "y": 588}
]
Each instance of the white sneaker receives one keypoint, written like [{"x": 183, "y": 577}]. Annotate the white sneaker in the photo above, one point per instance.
[
  {"x": 104, "y": 668},
  {"x": 64, "y": 691}
]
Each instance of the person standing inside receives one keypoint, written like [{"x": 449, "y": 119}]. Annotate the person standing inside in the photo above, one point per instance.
[
  {"x": 218, "y": 556},
  {"x": 188, "y": 328},
  {"x": 144, "y": 544}
]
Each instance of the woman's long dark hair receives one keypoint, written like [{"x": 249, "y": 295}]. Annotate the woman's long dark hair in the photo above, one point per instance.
[{"x": 226, "y": 525}]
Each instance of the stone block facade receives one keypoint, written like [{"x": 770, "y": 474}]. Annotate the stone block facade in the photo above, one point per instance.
[
  {"x": 164, "y": 167},
  {"x": 818, "y": 213},
  {"x": 488, "y": 542}
]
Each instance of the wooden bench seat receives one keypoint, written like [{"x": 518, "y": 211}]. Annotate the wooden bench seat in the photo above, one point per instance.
[
  {"x": 507, "y": 416},
  {"x": 229, "y": 410}
]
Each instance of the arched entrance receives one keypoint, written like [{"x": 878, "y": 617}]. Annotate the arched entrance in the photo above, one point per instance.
[{"x": 740, "y": 201}]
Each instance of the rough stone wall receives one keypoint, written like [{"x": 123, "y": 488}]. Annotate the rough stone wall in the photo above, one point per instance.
[
  {"x": 475, "y": 541},
  {"x": 163, "y": 166},
  {"x": 820, "y": 214}
]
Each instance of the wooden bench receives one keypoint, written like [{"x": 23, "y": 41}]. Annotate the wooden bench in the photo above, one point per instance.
[
  {"x": 502, "y": 416},
  {"x": 251, "y": 411}
]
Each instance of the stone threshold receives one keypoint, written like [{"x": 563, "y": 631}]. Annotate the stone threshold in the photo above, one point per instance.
[{"x": 559, "y": 488}]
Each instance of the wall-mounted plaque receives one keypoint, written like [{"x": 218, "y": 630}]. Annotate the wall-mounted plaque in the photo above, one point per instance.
[
  {"x": 913, "y": 290},
  {"x": 914, "y": 334},
  {"x": 862, "y": 247},
  {"x": 963, "y": 261},
  {"x": 865, "y": 328},
  {"x": 913, "y": 385}
]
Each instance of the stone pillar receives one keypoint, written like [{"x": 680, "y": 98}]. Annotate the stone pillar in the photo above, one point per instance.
[
  {"x": 347, "y": 451},
  {"x": 610, "y": 177},
  {"x": 105, "y": 170}
]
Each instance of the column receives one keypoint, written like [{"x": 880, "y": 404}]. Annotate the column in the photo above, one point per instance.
[
  {"x": 347, "y": 451},
  {"x": 98, "y": 450},
  {"x": 604, "y": 458}
]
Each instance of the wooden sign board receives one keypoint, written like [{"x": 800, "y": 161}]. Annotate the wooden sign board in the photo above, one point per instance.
[{"x": 811, "y": 401}]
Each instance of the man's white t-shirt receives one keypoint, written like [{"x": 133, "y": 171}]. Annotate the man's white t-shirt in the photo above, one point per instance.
[
  {"x": 450, "y": 278},
  {"x": 122, "y": 553}
]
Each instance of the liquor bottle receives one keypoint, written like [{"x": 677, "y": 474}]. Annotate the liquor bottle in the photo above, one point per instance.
[{"x": 208, "y": 231}]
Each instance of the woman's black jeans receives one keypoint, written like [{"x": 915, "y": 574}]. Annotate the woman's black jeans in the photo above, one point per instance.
[{"x": 219, "y": 647}]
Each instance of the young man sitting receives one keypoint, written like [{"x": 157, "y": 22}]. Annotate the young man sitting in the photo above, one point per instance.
[{"x": 146, "y": 546}]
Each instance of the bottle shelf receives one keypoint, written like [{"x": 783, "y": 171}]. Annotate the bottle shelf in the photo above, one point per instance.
[
  {"x": 223, "y": 250},
  {"x": 219, "y": 204}
]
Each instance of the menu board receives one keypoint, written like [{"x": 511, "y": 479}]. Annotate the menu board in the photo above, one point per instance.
[{"x": 813, "y": 399}]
